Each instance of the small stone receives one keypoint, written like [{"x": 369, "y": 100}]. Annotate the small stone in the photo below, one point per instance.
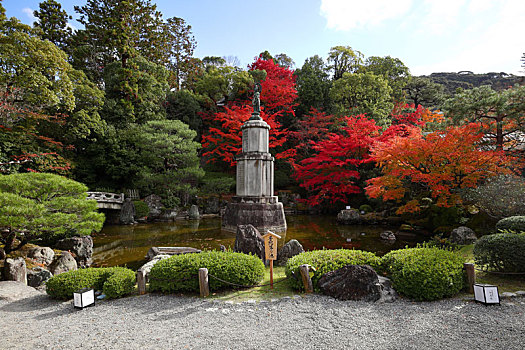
[
  {"x": 41, "y": 255},
  {"x": 388, "y": 236},
  {"x": 64, "y": 263},
  {"x": 37, "y": 276},
  {"x": 463, "y": 235},
  {"x": 508, "y": 295},
  {"x": 520, "y": 293},
  {"x": 349, "y": 217},
  {"x": 291, "y": 248},
  {"x": 15, "y": 270}
]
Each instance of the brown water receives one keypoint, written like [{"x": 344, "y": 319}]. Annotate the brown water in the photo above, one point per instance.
[{"x": 128, "y": 245}]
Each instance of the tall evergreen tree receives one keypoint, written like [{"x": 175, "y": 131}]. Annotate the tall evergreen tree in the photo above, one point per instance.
[{"x": 53, "y": 23}]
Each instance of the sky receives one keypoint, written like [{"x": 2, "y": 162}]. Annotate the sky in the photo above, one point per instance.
[{"x": 426, "y": 35}]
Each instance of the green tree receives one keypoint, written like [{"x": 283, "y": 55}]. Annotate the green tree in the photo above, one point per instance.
[
  {"x": 53, "y": 23},
  {"x": 392, "y": 69},
  {"x": 182, "y": 44},
  {"x": 136, "y": 93},
  {"x": 284, "y": 60},
  {"x": 344, "y": 59},
  {"x": 313, "y": 86},
  {"x": 222, "y": 84},
  {"x": 422, "y": 91},
  {"x": 363, "y": 93},
  {"x": 186, "y": 106},
  {"x": 44, "y": 207},
  {"x": 500, "y": 113}
]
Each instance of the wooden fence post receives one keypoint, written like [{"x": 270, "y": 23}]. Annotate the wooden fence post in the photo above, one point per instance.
[
  {"x": 141, "y": 282},
  {"x": 471, "y": 276},
  {"x": 203, "y": 282},
  {"x": 307, "y": 281}
]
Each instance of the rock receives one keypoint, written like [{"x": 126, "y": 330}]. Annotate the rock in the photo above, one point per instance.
[
  {"x": 211, "y": 205},
  {"x": 222, "y": 248},
  {"x": 352, "y": 282},
  {"x": 146, "y": 268},
  {"x": 153, "y": 252},
  {"x": 168, "y": 215},
  {"x": 520, "y": 293},
  {"x": 13, "y": 291},
  {"x": 193, "y": 213},
  {"x": 388, "y": 236},
  {"x": 15, "y": 270},
  {"x": 463, "y": 235},
  {"x": 64, "y": 263},
  {"x": 291, "y": 248},
  {"x": 81, "y": 247},
  {"x": 41, "y": 255},
  {"x": 37, "y": 275},
  {"x": 127, "y": 212},
  {"x": 388, "y": 294},
  {"x": 248, "y": 240},
  {"x": 348, "y": 217},
  {"x": 406, "y": 227},
  {"x": 508, "y": 295},
  {"x": 155, "y": 206}
]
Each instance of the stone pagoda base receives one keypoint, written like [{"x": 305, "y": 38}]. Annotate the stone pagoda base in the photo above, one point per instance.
[{"x": 265, "y": 213}]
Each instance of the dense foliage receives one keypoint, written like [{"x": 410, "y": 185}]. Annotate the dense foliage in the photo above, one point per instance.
[
  {"x": 114, "y": 282},
  {"x": 325, "y": 261},
  {"x": 45, "y": 207},
  {"x": 424, "y": 273},
  {"x": 512, "y": 223},
  {"x": 502, "y": 252},
  {"x": 180, "y": 272}
]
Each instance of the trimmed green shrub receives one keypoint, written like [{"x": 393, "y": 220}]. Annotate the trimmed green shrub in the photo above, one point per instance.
[
  {"x": 513, "y": 223},
  {"x": 141, "y": 209},
  {"x": 114, "y": 282},
  {"x": 366, "y": 208},
  {"x": 504, "y": 252},
  {"x": 424, "y": 273},
  {"x": 180, "y": 272},
  {"x": 325, "y": 261}
]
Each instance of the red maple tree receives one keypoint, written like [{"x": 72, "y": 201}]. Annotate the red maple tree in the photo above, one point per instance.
[{"x": 437, "y": 165}]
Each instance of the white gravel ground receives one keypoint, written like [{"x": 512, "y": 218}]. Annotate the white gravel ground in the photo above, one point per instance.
[{"x": 313, "y": 322}]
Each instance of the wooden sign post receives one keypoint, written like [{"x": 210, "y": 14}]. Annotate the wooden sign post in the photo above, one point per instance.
[{"x": 270, "y": 250}]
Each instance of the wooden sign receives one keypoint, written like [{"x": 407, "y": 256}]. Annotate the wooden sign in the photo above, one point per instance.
[{"x": 270, "y": 245}]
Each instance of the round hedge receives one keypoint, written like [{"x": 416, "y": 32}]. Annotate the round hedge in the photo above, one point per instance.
[
  {"x": 180, "y": 272},
  {"x": 424, "y": 273},
  {"x": 114, "y": 282},
  {"x": 513, "y": 223},
  {"x": 141, "y": 209},
  {"x": 325, "y": 261},
  {"x": 504, "y": 252}
]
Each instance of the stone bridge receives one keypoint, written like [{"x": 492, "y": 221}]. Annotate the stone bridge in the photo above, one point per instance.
[{"x": 106, "y": 200}]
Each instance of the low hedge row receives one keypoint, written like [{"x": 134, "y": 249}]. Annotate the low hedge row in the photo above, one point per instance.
[
  {"x": 420, "y": 273},
  {"x": 513, "y": 223},
  {"x": 180, "y": 272},
  {"x": 114, "y": 282},
  {"x": 424, "y": 273},
  {"x": 504, "y": 252},
  {"x": 325, "y": 261}
]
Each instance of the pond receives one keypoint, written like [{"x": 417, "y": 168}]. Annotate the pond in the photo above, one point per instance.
[{"x": 128, "y": 245}]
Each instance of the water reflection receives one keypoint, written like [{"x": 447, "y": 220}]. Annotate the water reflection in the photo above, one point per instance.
[{"x": 128, "y": 245}]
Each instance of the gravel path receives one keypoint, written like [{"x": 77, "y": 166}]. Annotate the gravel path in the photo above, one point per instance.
[{"x": 313, "y": 322}]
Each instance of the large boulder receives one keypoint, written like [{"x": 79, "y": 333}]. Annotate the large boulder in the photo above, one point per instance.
[
  {"x": 168, "y": 215},
  {"x": 127, "y": 212},
  {"x": 41, "y": 255},
  {"x": 15, "y": 270},
  {"x": 81, "y": 247},
  {"x": 248, "y": 240},
  {"x": 463, "y": 235},
  {"x": 37, "y": 275},
  {"x": 352, "y": 282},
  {"x": 155, "y": 206},
  {"x": 349, "y": 217},
  {"x": 193, "y": 213},
  {"x": 63, "y": 263},
  {"x": 13, "y": 291},
  {"x": 291, "y": 248}
]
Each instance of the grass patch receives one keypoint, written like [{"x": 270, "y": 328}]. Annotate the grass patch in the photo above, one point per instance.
[
  {"x": 281, "y": 289},
  {"x": 505, "y": 283}
]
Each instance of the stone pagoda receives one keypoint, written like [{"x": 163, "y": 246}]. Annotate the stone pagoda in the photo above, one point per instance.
[{"x": 254, "y": 202}]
